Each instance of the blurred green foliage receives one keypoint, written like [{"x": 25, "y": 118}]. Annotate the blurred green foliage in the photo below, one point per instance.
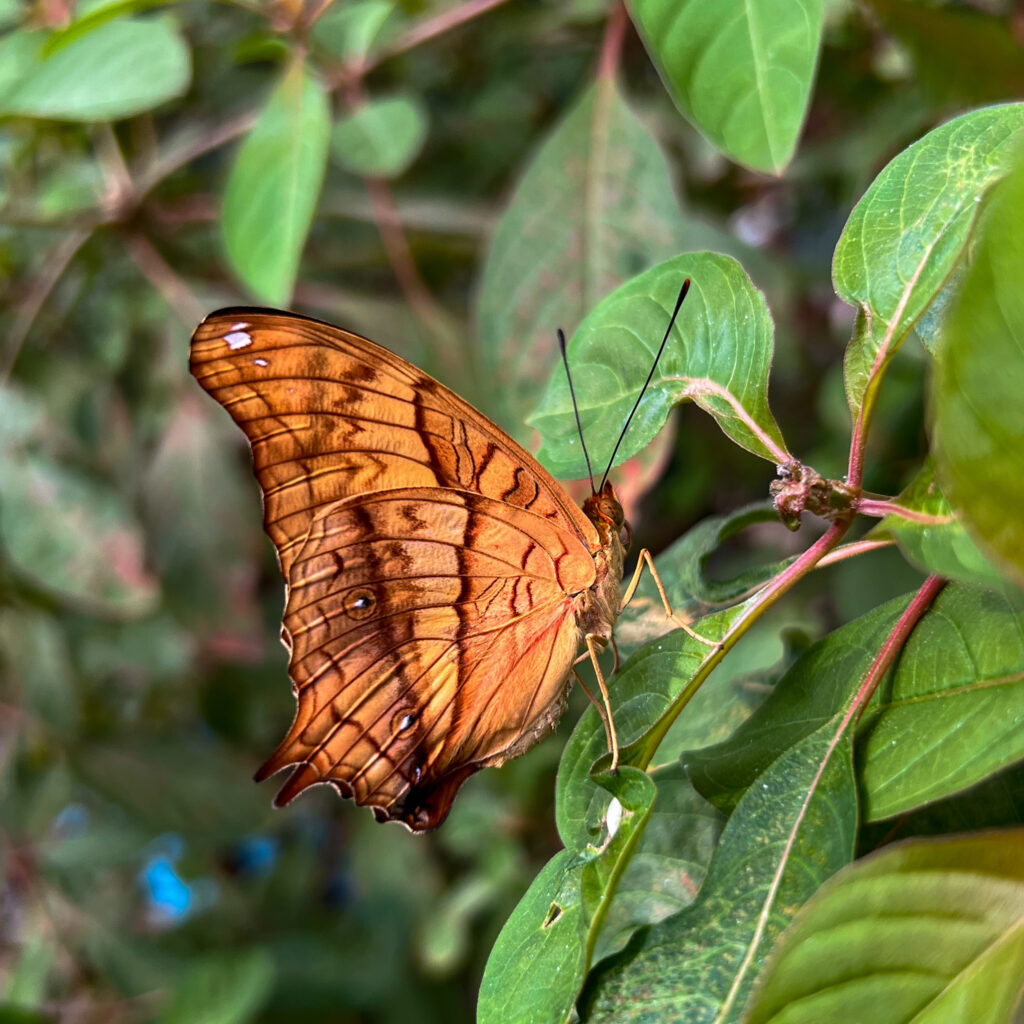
[{"x": 158, "y": 160}]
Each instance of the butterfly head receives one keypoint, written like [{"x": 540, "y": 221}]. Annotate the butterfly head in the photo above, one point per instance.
[{"x": 604, "y": 510}]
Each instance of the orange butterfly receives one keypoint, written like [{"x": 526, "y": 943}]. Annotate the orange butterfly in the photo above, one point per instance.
[{"x": 439, "y": 581}]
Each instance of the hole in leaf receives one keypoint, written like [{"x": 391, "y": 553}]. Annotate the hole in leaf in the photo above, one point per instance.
[{"x": 553, "y": 914}]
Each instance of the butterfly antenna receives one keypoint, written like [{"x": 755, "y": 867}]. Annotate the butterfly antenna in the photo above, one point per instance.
[
  {"x": 636, "y": 405},
  {"x": 575, "y": 407}
]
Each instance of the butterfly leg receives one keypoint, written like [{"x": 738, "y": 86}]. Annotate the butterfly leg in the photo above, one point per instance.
[
  {"x": 609, "y": 731},
  {"x": 645, "y": 557},
  {"x": 606, "y": 711}
]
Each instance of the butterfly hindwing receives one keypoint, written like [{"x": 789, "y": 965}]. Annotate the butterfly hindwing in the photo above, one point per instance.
[{"x": 408, "y": 611}]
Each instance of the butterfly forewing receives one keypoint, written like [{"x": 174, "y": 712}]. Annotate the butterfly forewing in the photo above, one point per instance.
[
  {"x": 330, "y": 414},
  {"x": 438, "y": 578}
]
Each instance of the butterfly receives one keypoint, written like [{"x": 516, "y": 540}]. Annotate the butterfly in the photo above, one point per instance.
[{"x": 439, "y": 581}]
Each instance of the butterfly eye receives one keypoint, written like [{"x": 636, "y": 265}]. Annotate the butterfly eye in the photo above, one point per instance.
[{"x": 626, "y": 536}]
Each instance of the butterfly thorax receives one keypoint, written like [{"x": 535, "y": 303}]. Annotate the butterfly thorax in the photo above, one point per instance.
[{"x": 598, "y": 607}]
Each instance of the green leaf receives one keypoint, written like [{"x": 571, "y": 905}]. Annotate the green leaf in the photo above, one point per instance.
[
  {"x": 932, "y": 536},
  {"x": 927, "y": 931},
  {"x": 978, "y": 421},
  {"x": 943, "y": 719},
  {"x": 380, "y": 138},
  {"x": 788, "y": 834},
  {"x": 595, "y": 206},
  {"x": 718, "y": 356},
  {"x": 538, "y": 965},
  {"x": 274, "y": 186},
  {"x": 349, "y": 30},
  {"x": 740, "y": 70},
  {"x": 537, "y": 962},
  {"x": 20, "y": 53},
  {"x": 910, "y": 230},
  {"x": 224, "y": 988},
  {"x": 693, "y": 550},
  {"x": 117, "y": 69},
  {"x": 72, "y": 534}
]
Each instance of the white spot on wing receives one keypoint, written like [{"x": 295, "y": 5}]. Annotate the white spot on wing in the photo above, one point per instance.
[
  {"x": 260, "y": 362},
  {"x": 238, "y": 339},
  {"x": 239, "y": 327}
]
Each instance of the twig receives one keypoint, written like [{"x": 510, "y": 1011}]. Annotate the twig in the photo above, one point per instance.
[
  {"x": 396, "y": 246},
  {"x": 184, "y": 153},
  {"x": 120, "y": 190},
  {"x": 158, "y": 272},
  {"x": 859, "y": 547},
  {"x": 53, "y": 268},
  {"x": 880, "y": 509},
  {"x": 611, "y": 44},
  {"x": 429, "y": 29}
]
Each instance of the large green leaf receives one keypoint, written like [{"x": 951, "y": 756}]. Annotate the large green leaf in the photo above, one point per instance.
[
  {"x": 978, "y": 422},
  {"x": 544, "y": 927},
  {"x": 787, "y": 835},
  {"x": 909, "y": 231},
  {"x": 595, "y": 206},
  {"x": 539, "y": 962},
  {"x": 740, "y": 70},
  {"x": 275, "y": 184},
  {"x": 718, "y": 356},
  {"x": 116, "y": 69},
  {"x": 945, "y": 717},
  {"x": 927, "y": 932}
]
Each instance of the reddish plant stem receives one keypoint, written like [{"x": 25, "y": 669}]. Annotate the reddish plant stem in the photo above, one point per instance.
[
  {"x": 894, "y": 643},
  {"x": 762, "y": 601},
  {"x": 37, "y": 294},
  {"x": 385, "y": 216},
  {"x": 881, "y": 508},
  {"x": 156, "y": 270},
  {"x": 611, "y": 45},
  {"x": 443, "y": 22},
  {"x": 859, "y": 547}
]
